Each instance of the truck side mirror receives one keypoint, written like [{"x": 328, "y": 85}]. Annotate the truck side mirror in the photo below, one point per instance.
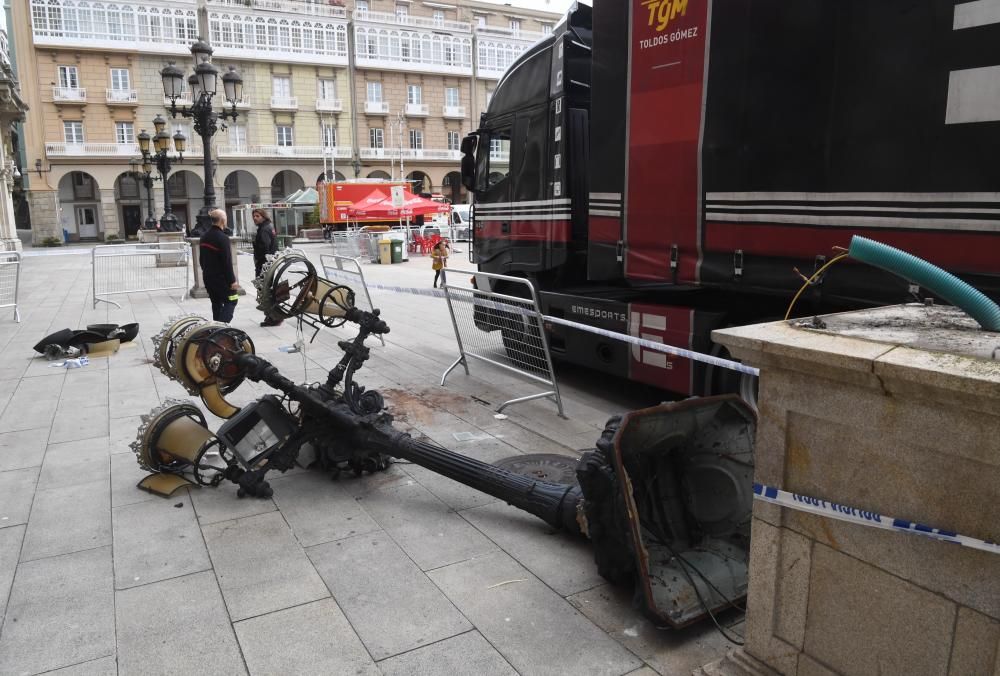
[{"x": 469, "y": 144}]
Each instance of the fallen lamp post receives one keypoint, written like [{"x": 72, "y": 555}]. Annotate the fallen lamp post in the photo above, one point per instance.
[{"x": 665, "y": 497}]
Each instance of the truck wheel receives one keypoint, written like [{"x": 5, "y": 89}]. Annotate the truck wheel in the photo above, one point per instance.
[
  {"x": 719, "y": 380},
  {"x": 522, "y": 342}
]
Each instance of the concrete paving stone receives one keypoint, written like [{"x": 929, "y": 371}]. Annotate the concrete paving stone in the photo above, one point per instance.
[
  {"x": 318, "y": 509},
  {"x": 14, "y": 367},
  {"x": 534, "y": 628},
  {"x": 17, "y": 489},
  {"x": 84, "y": 387},
  {"x": 457, "y": 496},
  {"x": 41, "y": 367},
  {"x": 424, "y": 527},
  {"x": 10, "y": 551},
  {"x": 564, "y": 562},
  {"x": 214, "y": 505},
  {"x": 32, "y": 406},
  {"x": 645, "y": 671},
  {"x": 123, "y": 431},
  {"x": 668, "y": 651},
  {"x": 157, "y": 540},
  {"x": 977, "y": 643},
  {"x": 125, "y": 403},
  {"x": 125, "y": 474},
  {"x": 104, "y": 666},
  {"x": 135, "y": 378},
  {"x": 24, "y": 448},
  {"x": 391, "y": 604},
  {"x": 468, "y": 653},
  {"x": 314, "y": 638},
  {"x": 176, "y": 626},
  {"x": 260, "y": 566},
  {"x": 75, "y": 462},
  {"x": 61, "y": 612},
  {"x": 69, "y": 519}
]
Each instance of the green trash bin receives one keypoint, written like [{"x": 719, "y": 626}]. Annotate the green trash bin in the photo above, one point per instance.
[{"x": 397, "y": 251}]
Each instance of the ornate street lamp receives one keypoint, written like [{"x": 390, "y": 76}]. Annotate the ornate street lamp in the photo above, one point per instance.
[
  {"x": 144, "y": 176},
  {"x": 159, "y": 156},
  {"x": 204, "y": 85}
]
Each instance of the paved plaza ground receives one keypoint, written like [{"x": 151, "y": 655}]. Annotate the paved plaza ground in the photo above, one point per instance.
[{"x": 402, "y": 572}]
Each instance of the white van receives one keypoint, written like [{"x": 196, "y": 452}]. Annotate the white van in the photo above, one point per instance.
[{"x": 461, "y": 217}]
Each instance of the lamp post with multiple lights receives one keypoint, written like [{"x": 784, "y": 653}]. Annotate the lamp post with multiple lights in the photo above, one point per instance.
[
  {"x": 204, "y": 83},
  {"x": 145, "y": 178},
  {"x": 160, "y": 157}
]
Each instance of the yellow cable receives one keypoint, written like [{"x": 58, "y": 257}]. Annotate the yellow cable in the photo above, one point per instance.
[{"x": 812, "y": 279}]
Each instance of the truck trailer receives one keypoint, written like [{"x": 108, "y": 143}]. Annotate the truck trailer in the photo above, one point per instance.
[{"x": 677, "y": 166}]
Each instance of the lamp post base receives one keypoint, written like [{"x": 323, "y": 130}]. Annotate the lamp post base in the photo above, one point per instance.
[{"x": 198, "y": 290}]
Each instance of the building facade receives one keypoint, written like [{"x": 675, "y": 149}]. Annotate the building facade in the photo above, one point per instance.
[{"x": 379, "y": 89}]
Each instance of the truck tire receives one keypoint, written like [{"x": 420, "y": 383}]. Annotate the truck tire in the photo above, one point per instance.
[
  {"x": 719, "y": 380},
  {"x": 522, "y": 342}
]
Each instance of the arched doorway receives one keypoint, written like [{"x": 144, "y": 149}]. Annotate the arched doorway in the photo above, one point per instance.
[
  {"x": 335, "y": 176},
  {"x": 284, "y": 183},
  {"x": 240, "y": 187},
  {"x": 379, "y": 174},
  {"x": 187, "y": 195},
  {"x": 80, "y": 207},
  {"x": 133, "y": 209},
  {"x": 419, "y": 182},
  {"x": 451, "y": 186}
]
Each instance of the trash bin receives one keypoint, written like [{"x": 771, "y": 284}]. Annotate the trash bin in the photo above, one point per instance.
[
  {"x": 385, "y": 251},
  {"x": 397, "y": 251}
]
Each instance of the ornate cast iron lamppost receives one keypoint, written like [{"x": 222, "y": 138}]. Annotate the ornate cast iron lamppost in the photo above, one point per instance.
[
  {"x": 205, "y": 81},
  {"x": 145, "y": 178},
  {"x": 161, "y": 158}
]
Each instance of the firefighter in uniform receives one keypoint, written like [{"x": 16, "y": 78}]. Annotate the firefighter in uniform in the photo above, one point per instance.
[{"x": 217, "y": 268}]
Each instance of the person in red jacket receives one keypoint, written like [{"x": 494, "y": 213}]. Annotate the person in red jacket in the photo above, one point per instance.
[{"x": 217, "y": 268}]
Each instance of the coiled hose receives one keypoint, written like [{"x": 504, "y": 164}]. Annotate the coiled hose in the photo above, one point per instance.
[{"x": 934, "y": 279}]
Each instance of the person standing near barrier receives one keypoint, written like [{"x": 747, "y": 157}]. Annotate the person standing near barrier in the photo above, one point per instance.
[
  {"x": 265, "y": 242},
  {"x": 439, "y": 259},
  {"x": 216, "y": 260}
]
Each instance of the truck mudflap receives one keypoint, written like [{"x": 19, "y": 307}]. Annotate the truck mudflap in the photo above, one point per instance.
[{"x": 668, "y": 499}]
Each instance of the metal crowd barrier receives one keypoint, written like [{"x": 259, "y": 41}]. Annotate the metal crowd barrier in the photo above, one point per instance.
[
  {"x": 10, "y": 279},
  {"x": 133, "y": 268},
  {"x": 347, "y": 270},
  {"x": 513, "y": 339}
]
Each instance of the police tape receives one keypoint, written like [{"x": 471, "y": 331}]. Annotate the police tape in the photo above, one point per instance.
[
  {"x": 834, "y": 510},
  {"x": 487, "y": 304}
]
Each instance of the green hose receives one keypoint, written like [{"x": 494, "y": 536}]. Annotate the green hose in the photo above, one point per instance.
[{"x": 930, "y": 277}]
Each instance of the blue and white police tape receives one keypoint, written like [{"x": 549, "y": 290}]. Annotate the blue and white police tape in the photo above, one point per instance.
[
  {"x": 477, "y": 299},
  {"x": 835, "y": 510}
]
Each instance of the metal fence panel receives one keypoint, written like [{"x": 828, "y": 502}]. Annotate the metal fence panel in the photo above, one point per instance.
[
  {"x": 347, "y": 271},
  {"x": 132, "y": 268},
  {"x": 502, "y": 330},
  {"x": 10, "y": 278}
]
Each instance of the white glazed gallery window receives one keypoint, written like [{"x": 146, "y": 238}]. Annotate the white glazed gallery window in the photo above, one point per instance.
[
  {"x": 376, "y": 138},
  {"x": 454, "y": 143},
  {"x": 515, "y": 26},
  {"x": 281, "y": 87},
  {"x": 73, "y": 131},
  {"x": 414, "y": 94},
  {"x": 438, "y": 17},
  {"x": 124, "y": 133},
  {"x": 402, "y": 13},
  {"x": 451, "y": 97},
  {"x": 374, "y": 92},
  {"x": 120, "y": 80},
  {"x": 284, "y": 135},
  {"x": 416, "y": 139},
  {"x": 329, "y": 134},
  {"x": 361, "y": 6}
]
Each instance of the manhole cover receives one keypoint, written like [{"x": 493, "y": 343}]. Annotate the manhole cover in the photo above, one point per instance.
[{"x": 558, "y": 469}]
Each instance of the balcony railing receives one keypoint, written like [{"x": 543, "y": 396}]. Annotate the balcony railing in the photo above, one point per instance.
[
  {"x": 91, "y": 150},
  {"x": 376, "y": 108},
  {"x": 454, "y": 112},
  {"x": 416, "y": 21},
  {"x": 316, "y": 152},
  {"x": 72, "y": 94},
  {"x": 183, "y": 100},
  {"x": 128, "y": 97},
  {"x": 284, "y": 103},
  {"x": 243, "y": 102},
  {"x": 500, "y": 156},
  {"x": 417, "y": 110},
  {"x": 329, "y": 105},
  {"x": 285, "y": 6},
  {"x": 529, "y": 36},
  {"x": 410, "y": 154}
]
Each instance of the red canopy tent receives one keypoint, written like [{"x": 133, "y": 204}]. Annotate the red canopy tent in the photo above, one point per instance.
[{"x": 377, "y": 206}]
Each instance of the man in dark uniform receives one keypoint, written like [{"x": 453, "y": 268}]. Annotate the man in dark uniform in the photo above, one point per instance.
[{"x": 217, "y": 268}]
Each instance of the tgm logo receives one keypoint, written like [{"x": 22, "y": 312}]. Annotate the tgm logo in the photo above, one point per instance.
[
  {"x": 652, "y": 327},
  {"x": 662, "y": 12}
]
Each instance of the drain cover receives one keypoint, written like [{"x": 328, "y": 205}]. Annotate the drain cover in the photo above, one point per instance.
[{"x": 559, "y": 469}]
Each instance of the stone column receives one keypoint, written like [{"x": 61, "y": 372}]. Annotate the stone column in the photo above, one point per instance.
[
  {"x": 895, "y": 413},
  {"x": 109, "y": 212},
  {"x": 44, "y": 208}
]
